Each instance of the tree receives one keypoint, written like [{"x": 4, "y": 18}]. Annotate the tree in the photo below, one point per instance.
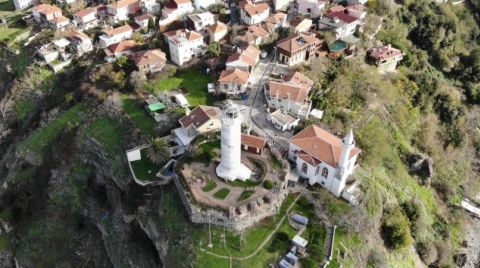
[
  {"x": 158, "y": 151},
  {"x": 151, "y": 24},
  {"x": 213, "y": 49},
  {"x": 395, "y": 229}
]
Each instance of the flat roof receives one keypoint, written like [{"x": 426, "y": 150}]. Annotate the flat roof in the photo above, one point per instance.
[
  {"x": 284, "y": 117},
  {"x": 156, "y": 106},
  {"x": 300, "y": 241}
]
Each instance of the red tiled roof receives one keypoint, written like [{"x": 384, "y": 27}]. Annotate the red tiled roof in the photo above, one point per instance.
[
  {"x": 286, "y": 91},
  {"x": 254, "y": 9},
  {"x": 297, "y": 41},
  {"x": 342, "y": 16},
  {"x": 200, "y": 115},
  {"x": 321, "y": 145},
  {"x": 46, "y": 9},
  {"x": 383, "y": 53},
  {"x": 144, "y": 17},
  {"x": 147, "y": 57},
  {"x": 241, "y": 57},
  {"x": 218, "y": 27},
  {"x": 253, "y": 141},
  {"x": 118, "y": 30},
  {"x": 86, "y": 11},
  {"x": 78, "y": 34},
  {"x": 299, "y": 80},
  {"x": 176, "y": 34},
  {"x": 122, "y": 46},
  {"x": 122, "y": 4},
  {"x": 234, "y": 76},
  {"x": 257, "y": 31}
]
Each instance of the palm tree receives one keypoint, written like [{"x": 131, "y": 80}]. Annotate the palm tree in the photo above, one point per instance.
[{"x": 158, "y": 151}]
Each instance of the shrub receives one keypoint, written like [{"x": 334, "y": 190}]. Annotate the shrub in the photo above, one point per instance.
[
  {"x": 279, "y": 242},
  {"x": 427, "y": 252},
  {"x": 222, "y": 193},
  {"x": 395, "y": 229},
  {"x": 377, "y": 258},
  {"x": 308, "y": 263},
  {"x": 267, "y": 184}
]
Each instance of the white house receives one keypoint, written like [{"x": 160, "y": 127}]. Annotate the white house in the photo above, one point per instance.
[
  {"x": 59, "y": 23},
  {"x": 282, "y": 120},
  {"x": 80, "y": 42},
  {"x": 311, "y": 8},
  {"x": 204, "y": 4},
  {"x": 275, "y": 21},
  {"x": 121, "y": 9},
  {"x": 282, "y": 5},
  {"x": 253, "y": 13},
  {"x": 240, "y": 61},
  {"x": 255, "y": 35},
  {"x": 150, "y": 61},
  {"x": 217, "y": 31},
  {"x": 184, "y": 45},
  {"x": 290, "y": 95},
  {"x": 21, "y": 4},
  {"x": 115, "y": 35},
  {"x": 201, "y": 22},
  {"x": 143, "y": 20},
  {"x": 233, "y": 81},
  {"x": 340, "y": 22},
  {"x": 44, "y": 13},
  {"x": 200, "y": 120},
  {"x": 324, "y": 158},
  {"x": 86, "y": 18},
  {"x": 176, "y": 9}
]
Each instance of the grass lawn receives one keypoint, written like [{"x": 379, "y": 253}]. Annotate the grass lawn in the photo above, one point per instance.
[
  {"x": 144, "y": 169},
  {"x": 192, "y": 81},
  {"x": 6, "y": 7},
  {"x": 222, "y": 193},
  {"x": 245, "y": 195},
  {"x": 8, "y": 34},
  {"x": 210, "y": 186},
  {"x": 109, "y": 133},
  {"x": 139, "y": 116},
  {"x": 45, "y": 136},
  {"x": 244, "y": 184}
]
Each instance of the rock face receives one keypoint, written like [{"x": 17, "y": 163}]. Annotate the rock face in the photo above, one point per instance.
[{"x": 422, "y": 166}]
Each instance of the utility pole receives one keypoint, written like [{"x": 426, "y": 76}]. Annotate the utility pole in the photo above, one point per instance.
[{"x": 210, "y": 245}]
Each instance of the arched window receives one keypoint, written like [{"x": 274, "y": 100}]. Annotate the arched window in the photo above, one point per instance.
[
  {"x": 304, "y": 168},
  {"x": 317, "y": 170},
  {"x": 325, "y": 172}
]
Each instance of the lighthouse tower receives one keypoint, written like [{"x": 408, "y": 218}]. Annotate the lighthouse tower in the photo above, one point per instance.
[
  {"x": 344, "y": 167},
  {"x": 231, "y": 167}
]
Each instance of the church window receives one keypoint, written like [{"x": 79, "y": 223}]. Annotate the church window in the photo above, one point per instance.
[
  {"x": 304, "y": 168},
  {"x": 317, "y": 170},
  {"x": 325, "y": 172}
]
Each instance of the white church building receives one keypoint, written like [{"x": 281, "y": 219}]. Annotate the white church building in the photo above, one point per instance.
[
  {"x": 231, "y": 167},
  {"x": 323, "y": 158}
]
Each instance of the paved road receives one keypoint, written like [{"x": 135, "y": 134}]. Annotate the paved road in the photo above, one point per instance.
[{"x": 279, "y": 224}]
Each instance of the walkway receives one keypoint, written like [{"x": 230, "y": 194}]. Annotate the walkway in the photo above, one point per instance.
[{"x": 261, "y": 246}]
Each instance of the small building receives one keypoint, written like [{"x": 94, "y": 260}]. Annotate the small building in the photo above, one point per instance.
[
  {"x": 201, "y": 22},
  {"x": 253, "y": 13},
  {"x": 175, "y": 9},
  {"x": 217, "y": 31},
  {"x": 386, "y": 58},
  {"x": 284, "y": 264},
  {"x": 143, "y": 20},
  {"x": 298, "y": 48},
  {"x": 80, "y": 42},
  {"x": 241, "y": 62},
  {"x": 282, "y": 5},
  {"x": 275, "y": 21},
  {"x": 184, "y": 45},
  {"x": 21, "y": 4},
  {"x": 86, "y": 18},
  {"x": 300, "y": 219},
  {"x": 282, "y": 120},
  {"x": 150, "y": 61},
  {"x": 181, "y": 100},
  {"x": 59, "y": 23},
  {"x": 300, "y": 24},
  {"x": 291, "y": 258},
  {"x": 115, "y": 35},
  {"x": 119, "y": 49},
  {"x": 300, "y": 243},
  {"x": 154, "y": 107},
  {"x": 311, "y": 8},
  {"x": 50, "y": 16},
  {"x": 253, "y": 144},
  {"x": 200, "y": 120},
  {"x": 323, "y": 158},
  {"x": 233, "y": 81},
  {"x": 341, "y": 23},
  {"x": 255, "y": 35}
]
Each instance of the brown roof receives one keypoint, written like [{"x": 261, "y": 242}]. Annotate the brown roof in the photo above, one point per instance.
[
  {"x": 60, "y": 19},
  {"x": 297, "y": 41},
  {"x": 122, "y": 4},
  {"x": 146, "y": 57},
  {"x": 200, "y": 115},
  {"x": 46, "y": 9},
  {"x": 118, "y": 30},
  {"x": 218, "y": 27},
  {"x": 122, "y": 46},
  {"x": 320, "y": 145},
  {"x": 78, "y": 34},
  {"x": 298, "y": 80},
  {"x": 286, "y": 91},
  {"x": 253, "y": 141},
  {"x": 383, "y": 53},
  {"x": 241, "y": 57},
  {"x": 144, "y": 17},
  {"x": 251, "y": 51},
  {"x": 308, "y": 158},
  {"x": 234, "y": 76},
  {"x": 276, "y": 18},
  {"x": 86, "y": 11},
  {"x": 182, "y": 35},
  {"x": 257, "y": 31},
  {"x": 254, "y": 9}
]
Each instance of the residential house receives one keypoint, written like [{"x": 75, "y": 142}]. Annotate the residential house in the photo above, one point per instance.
[
  {"x": 290, "y": 94},
  {"x": 240, "y": 61},
  {"x": 386, "y": 58},
  {"x": 115, "y": 35},
  {"x": 217, "y": 31},
  {"x": 204, "y": 4},
  {"x": 201, "y": 22},
  {"x": 177, "y": 8},
  {"x": 21, "y": 4},
  {"x": 143, "y": 20},
  {"x": 255, "y": 35},
  {"x": 80, "y": 42},
  {"x": 323, "y": 158},
  {"x": 184, "y": 45},
  {"x": 253, "y": 144},
  {"x": 86, "y": 18},
  {"x": 59, "y": 23},
  {"x": 299, "y": 24},
  {"x": 311, "y": 8},
  {"x": 55, "y": 55},
  {"x": 275, "y": 21},
  {"x": 200, "y": 120},
  {"x": 251, "y": 52},
  {"x": 282, "y": 5},
  {"x": 46, "y": 14},
  {"x": 283, "y": 120},
  {"x": 120, "y": 10},
  {"x": 119, "y": 49},
  {"x": 150, "y": 61},
  {"x": 233, "y": 81},
  {"x": 297, "y": 48},
  {"x": 253, "y": 13},
  {"x": 340, "y": 22}
]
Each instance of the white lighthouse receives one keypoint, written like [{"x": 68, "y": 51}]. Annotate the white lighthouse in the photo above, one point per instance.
[{"x": 231, "y": 167}]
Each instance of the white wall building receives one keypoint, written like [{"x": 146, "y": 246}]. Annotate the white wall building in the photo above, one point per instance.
[
  {"x": 21, "y": 4},
  {"x": 341, "y": 23},
  {"x": 217, "y": 31},
  {"x": 231, "y": 167},
  {"x": 115, "y": 35},
  {"x": 204, "y": 4},
  {"x": 86, "y": 19},
  {"x": 282, "y": 5},
  {"x": 324, "y": 158},
  {"x": 201, "y": 22},
  {"x": 311, "y": 8},
  {"x": 184, "y": 45},
  {"x": 253, "y": 13}
]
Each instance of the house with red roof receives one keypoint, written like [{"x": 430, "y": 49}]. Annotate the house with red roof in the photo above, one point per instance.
[
  {"x": 341, "y": 23},
  {"x": 119, "y": 49},
  {"x": 323, "y": 158},
  {"x": 253, "y": 13},
  {"x": 297, "y": 48},
  {"x": 233, "y": 81},
  {"x": 200, "y": 120},
  {"x": 386, "y": 58},
  {"x": 217, "y": 31},
  {"x": 150, "y": 61},
  {"x": 86, "y": 18},
  {"x": 115, "y": 35}
]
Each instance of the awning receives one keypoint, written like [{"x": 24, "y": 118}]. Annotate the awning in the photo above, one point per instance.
[
  {"x": 181, "y": 100},
  {"x": 156, "y": 107}
]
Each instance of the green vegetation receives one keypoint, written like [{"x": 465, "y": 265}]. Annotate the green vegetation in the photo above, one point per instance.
[
  {"x": 42, "y": 138},
  {"x": 245, "y": 184},
  {"x": 158, "y": 150},
  {"x": 267, "y": 184},
  {"x": 192, "y": 81},
  {"x": 222, "y": 193},
  {"x": 395, "y": 229},
  {"x": 206, "y": 150},
  {"x": 279, "y": 242},
  {"x": 211, "y": 184},
  {"x": 3, "y": 242},
  {"x": 138, "y": 115},
  {"x": 246, "y": 194},
  {"x": 7, "y": 35},
  {"x": 109, "y": 133},
  {"x": 144, "y": 169}
]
